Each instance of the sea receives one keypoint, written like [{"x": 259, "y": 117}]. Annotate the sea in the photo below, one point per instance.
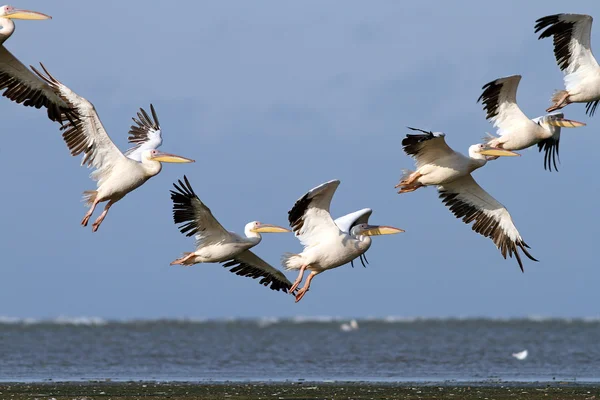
[{"x": 392, "y": 349}]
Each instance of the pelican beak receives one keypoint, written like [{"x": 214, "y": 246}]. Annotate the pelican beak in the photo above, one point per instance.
[
  {"x": 566, "y": 123},
  {"x": 268, "y": 228},
  {"x": 26, "y": 14},
  {"x": 496, "y": 152},
  {"x": 373, "y": 230},
  {"x": 170, "y": 158}
]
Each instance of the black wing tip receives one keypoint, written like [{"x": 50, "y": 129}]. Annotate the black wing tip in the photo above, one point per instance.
[{"x": 246, "y": 270}]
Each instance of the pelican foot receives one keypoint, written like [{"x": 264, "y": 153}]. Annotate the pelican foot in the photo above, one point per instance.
[
  {"x": 85, "y": 220},
  {"x": 95, "y": 226},
  {"x": 294, "y": 286},
  {"x": 301, "y": 294}
]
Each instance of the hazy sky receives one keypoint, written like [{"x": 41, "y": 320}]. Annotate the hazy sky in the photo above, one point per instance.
[{"x": 273, "y": 98}]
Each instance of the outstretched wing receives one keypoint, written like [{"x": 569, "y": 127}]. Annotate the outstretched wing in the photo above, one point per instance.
[
  {"x": 571, "y": 34},
  {"x": 499, "y": 99},
  {"x": 427, "y": 147},
  {"x": 468, "y": 201},
  {"x": 249, "y": 264},
  {"x": 22, "y": 86},
  {"x": 310, "y": 219},
  {"x": 195, "y": 217},
  {"x": 85, "y": 133},
  {"x": 145, "y": 134}
]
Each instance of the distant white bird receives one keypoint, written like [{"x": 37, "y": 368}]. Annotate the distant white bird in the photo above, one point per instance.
[
  {"x": 21, "y": 85},
  {"x": 214, "y": 244},
  {"x": 571, "y": 35},
  {"x": 116, "y": 173},
  {"x": 516, "y": 130},
  {"x": 351, "y": 326},
  {"x": 439, "y": 165},
  {"x": 520, "y": 355},
  {"x": 326, "y": 246}
]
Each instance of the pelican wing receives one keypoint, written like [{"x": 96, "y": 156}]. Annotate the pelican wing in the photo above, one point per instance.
[
  {"x": 145, "y": 134},
  {"x": 348, "y": 221},
  {"x": 196, "y": 217},
  {"x": 468, "y": 201},
  {"x": 22, "y": 86},
  {"x": 571, "y": 34},
  {"x": 249, "y": 264},
  {"x": 426, "y": 147},
  {"x": 499, "y": 99},
  {"x": 85, "y": 134},
  {"x": 550, "y": 146},
  {"x": 310, "y": 219}
]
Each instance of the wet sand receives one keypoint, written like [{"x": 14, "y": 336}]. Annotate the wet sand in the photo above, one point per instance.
[{"x": 297, "y": 390}]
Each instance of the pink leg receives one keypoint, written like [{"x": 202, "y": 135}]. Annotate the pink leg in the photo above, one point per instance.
[
  {"x": 306, "y": 287},
  {"x": 411, "y": 179},
  {"x": 298, "y": 280},
  {"x": 87, "y": 216},
  {"x": 407, "y": 189},
  {"x": 96, "y": 224},
  {"x": 184, "y": 260}
]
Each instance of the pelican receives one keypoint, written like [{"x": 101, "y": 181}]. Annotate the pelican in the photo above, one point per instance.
[
  {"x": 214, "y": 244},
  {"x": 326, "y": 246},
  {"x": 516, "y": 130},
  {"x": 439, "y": 165},
  {"x": 571, "y": 34},
  {"x": 347, "y": 222},
  {"x": 117, "y": 173},
  {"x": 19, "y": 83}
]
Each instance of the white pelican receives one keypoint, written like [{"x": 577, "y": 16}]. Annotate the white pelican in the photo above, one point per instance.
[
  {"x": 571, "y": 34},
  {"x": 21, "y": 85},
  {"x": 439, "y": 165},
  {"x": 116, "y": 173},
  {"x": 214, "y": 244},
  {"x": 516, "y": 130},
  {"x": 326, "y": 246}
]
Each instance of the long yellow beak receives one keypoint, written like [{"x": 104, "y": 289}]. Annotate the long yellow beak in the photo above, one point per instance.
[
  {"x": 492, "y": 151},
  {"x": 170, "y": 158},
  {"x": 374, "y": 230},
  {"x": 566, "y": 123},
  {"x": 26, "y": 14},
  {"x": 268, "y": 228}
]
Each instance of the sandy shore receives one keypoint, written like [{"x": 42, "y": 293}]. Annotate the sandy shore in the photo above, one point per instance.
[{"x": 296, "y": 390}]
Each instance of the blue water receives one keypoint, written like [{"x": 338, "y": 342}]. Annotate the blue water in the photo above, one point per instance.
[{"x": 311, "y": 349}]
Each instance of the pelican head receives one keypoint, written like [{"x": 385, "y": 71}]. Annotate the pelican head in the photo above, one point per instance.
[
  {"x": 557, "y": 119},
  {"x": 14, "y": 13},
  {"x": 155, "y": 155},
  {"x": 259, "y": 227},
  {"x": 373, "y": 230},
  {"x": 487, "y": 150}
]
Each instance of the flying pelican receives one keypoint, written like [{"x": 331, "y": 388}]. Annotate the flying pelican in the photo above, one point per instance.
[
  {"x": 516, "y": 130},
  {"x": 326, "y": 246},
  {"x": 214, "y": 244},
  {"x": 117, "y": 173},
  {"x": 571, "y": 34},
  {"x": 21, "y": 85},
  {"x": 439, "y": 165}
]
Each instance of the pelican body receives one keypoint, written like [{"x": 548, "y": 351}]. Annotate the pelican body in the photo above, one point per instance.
[
  {"x": 117, "y": 174},
  {"x": 516, "y": 130},
  {"x": 571, "y": 34},
  {"x": 214, "y": 244},
  {"x": 438, "y": 165},
  {"x": 19, "y": 83},
  {"x": 327, "y": 245}
]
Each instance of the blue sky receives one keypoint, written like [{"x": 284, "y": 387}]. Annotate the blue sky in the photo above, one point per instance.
[{"x": 273, "y": 98}]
